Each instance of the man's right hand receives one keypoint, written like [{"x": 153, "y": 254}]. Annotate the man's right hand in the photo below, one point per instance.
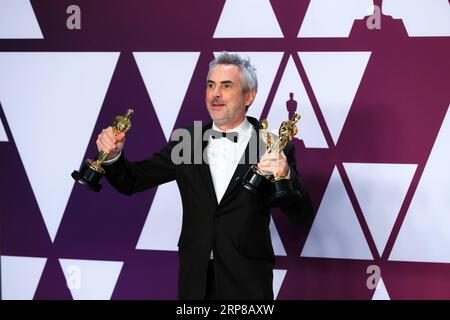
[{"x": 109, "y": 143}]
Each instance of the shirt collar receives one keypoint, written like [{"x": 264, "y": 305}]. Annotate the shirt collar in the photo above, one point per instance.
[{"x": 242, "y": 128}]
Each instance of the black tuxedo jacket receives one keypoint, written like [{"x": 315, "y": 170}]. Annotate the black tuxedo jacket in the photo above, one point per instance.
[{"x": 236, "y": 229}]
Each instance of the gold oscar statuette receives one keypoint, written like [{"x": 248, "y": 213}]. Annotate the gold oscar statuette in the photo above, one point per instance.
[
  {"x": 90, "y": 171},
  {"x": 255, "y": 180}
]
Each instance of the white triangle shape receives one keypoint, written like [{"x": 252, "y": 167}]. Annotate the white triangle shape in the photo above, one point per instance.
[
  {"x": 380, "y": 189},
  {"x": 425, "y": 233},
  {"x": 421, "y": 18},
  {"x": 331, "y": 18},
  {"x": 50, "y": 98},
  {"x": 163, "y": 225},
  {"x": 381, "y": 292},
  {"x": 278, "y": 278},
  {"x": 3, "y": 136},
  {"x": 17, "y": 20},
  {"x": 20, "y": 276},
  {"x": 335, "y": 78},
  {"x": 91, "y": 279},
  {"x": 266, "y": 64},
  {"x": 336, "y": 232},
  {"x": 238, "y": 20},
  {"x": 167, "y": 76},
  {"x": 309, "y": 128},
  {"x": 277, "y": 244}
]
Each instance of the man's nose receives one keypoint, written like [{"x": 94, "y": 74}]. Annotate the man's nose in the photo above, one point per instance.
[{"x": 217, "y": 92}]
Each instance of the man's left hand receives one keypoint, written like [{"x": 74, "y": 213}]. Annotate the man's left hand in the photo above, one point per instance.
[{"x": 274, "y": 163}]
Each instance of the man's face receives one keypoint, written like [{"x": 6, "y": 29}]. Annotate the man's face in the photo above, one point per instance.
[{"x": 225, "y": 99}]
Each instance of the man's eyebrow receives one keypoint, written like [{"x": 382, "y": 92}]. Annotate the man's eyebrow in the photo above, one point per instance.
[{"x": 223, "y": 82}]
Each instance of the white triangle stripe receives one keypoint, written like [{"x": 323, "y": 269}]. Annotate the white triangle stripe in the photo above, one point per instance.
[
  {"x": 266, "y": 64},
  {"x": 3, "y": 136},
  {"x": 332, "y": 19},
  {"x": 50, "y": 98},
  {"x": 237, "y": 20},
  {"x": 17, "y": 20},
  {"x": 421, "y": 18},
  {"x": 167, "y": 76},
  {"x": 335, "y": 78},
  {"x": 278, "y": 247},
  {"x": 381, "y": 292},
  {"x": 309, "y": 128},
  {"x": 425, "y": 232},
  {"x": 91, "y": 279},
  {"x": 278, "y": 278},
  {"x": 380, "y": 189},
  {"x": 163, "y": 225},
  {"x": 20, "y": 276},
  {"x": 336, "y": 232}
]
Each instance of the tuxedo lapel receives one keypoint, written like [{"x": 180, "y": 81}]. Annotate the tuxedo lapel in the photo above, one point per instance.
[
  {"x": 246, "y": 161},
  {"x": 247, "y": 158},
  {"x": 203, "y": 168}
]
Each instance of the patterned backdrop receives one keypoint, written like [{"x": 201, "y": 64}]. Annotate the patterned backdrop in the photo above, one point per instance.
[{"x": 371, "y": 80}]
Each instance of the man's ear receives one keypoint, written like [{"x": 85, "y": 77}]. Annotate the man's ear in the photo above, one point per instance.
[{"x": 250, "y": 98}]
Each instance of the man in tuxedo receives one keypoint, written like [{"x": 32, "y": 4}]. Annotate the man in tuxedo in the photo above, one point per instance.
[{"x": 225, "y": 249}]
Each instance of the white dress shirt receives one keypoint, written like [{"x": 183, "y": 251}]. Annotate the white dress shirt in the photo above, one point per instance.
[{"x": 223, "y": 156}]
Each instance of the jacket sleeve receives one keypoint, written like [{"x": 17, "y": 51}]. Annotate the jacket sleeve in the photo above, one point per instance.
[
  {"x": 300, "y": 211},
  {"x": 132, "y": 177}
]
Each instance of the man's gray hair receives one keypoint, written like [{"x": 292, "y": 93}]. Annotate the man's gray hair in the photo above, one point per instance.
[{"x": 248, "y": 71}]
